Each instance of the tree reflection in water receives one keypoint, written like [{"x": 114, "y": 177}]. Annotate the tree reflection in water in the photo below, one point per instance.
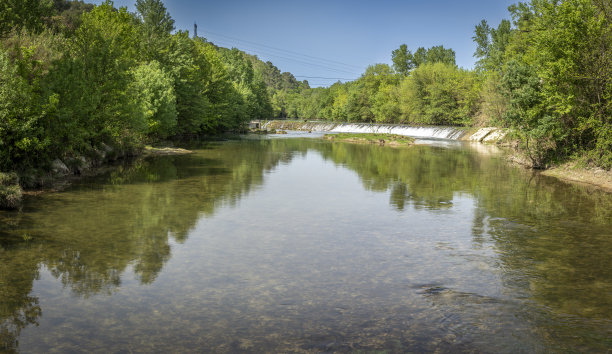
[{"x": 89, "y": 235}]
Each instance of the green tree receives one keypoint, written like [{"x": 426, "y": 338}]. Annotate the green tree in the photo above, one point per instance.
[
  {"x": 18, "y": 14},
  {"x": 155, "y": 18},
  {"x": 555, "y": 76},
  {"x": 89, "y": 88},
  {"x": 402, "y": 60},
  {"x": 439, "y": 93},
  {"x": 439, "y": 54},
  {"x": 491, "y": 45},
  {"x": 156, "y": 26},
  {"x": 154, "y": 90},
  {"x": 67, "y": 16},
  {"x": 191, "y": 72},
  {"x": 21, "y": 139}
]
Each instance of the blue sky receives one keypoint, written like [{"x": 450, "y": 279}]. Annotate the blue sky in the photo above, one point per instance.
[{"x": 334, "y": 39}]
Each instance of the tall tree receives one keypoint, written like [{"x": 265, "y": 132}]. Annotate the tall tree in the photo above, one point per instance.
[
  {"x": 155, "y": 17},
  {"x": 402, "y": 60},
  {"x": 157, "y": 24},
  {"x": 439, "y": 54},
  {"x": 491, "y": 44}
]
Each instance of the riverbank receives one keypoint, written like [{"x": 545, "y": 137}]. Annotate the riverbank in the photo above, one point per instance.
[
  {"x": 150, "y": 150},
  {"x": 61, "y": 175},
  {"x": 364, "y": 138},
  {"x": 570, "y": 172}
]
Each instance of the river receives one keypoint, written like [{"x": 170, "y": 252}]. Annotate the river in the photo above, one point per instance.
[{"x": 296, "y": 244}]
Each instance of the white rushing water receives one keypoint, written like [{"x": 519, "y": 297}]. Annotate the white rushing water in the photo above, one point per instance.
[{"x": 417, "y": 132}]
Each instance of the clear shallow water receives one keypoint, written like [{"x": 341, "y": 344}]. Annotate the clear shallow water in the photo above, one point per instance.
[{"x": 302, "y": 245}]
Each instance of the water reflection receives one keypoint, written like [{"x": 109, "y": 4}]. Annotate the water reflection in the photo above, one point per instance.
[
  {"x": 548, "y": 243},
  {"x": 90, "y": 234},
  {"x": 559, "y": 231}
]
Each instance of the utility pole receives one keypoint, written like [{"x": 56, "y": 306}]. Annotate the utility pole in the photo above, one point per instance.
[{"x": 195, "y": 30}]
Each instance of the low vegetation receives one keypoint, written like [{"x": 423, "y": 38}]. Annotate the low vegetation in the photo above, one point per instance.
[
  {"x": 371, "y": 138},
  {"x": 10, "y": 191}
]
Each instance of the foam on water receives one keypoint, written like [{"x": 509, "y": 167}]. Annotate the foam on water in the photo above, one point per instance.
[{"x": 450, "y": 133}]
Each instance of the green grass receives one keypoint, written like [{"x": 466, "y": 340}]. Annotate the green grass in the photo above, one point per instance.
[{"x": 372, "y": 138}]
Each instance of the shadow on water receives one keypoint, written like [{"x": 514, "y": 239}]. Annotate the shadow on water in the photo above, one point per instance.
[{"x": 552, "y": 240}]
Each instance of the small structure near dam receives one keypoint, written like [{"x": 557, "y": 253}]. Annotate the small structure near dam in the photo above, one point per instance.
[{"x": 255, "y": 124}]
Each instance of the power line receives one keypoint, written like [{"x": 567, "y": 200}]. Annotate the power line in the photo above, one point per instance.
[
  {"x": 326, "y": 78},
  {"x": 274, "y": 55},
  {"x": 286, "y": 51}
]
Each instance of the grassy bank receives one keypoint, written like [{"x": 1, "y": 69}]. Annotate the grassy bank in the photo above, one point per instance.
[{"x": 364, "y": 138}]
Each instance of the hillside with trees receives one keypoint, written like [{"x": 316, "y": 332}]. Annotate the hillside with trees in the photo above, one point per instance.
[{"x": 78, "y": 80}]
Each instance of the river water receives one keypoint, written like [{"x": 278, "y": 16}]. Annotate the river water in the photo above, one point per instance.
[{"x": 304, "y": 245}]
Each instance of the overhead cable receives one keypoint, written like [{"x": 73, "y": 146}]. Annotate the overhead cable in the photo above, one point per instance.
[
  {"x": 334, "y": 62},
  {"x": 264, "y": 53}
]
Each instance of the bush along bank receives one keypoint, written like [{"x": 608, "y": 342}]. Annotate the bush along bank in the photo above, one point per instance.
[{"x": 10, "y": 191}]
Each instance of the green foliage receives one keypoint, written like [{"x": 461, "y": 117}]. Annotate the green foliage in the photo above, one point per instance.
[
  {"x": 491, "y": 44},
  {"x": 67, "y": 16},
  {"x": 18, "y": 14},
  {"x": 439, "y": 54},
  {"x": 100, "y": 76},
  {"x": 438, "y": 94},
  {"x": 538, "y": 128},
  {"x": 154, "y": 90},
  {"x": 248, "y": 83},
  {"x": 493, "y": 103},
  {"x": 193, "y": 70},
  {"x": 87, "y": 89},
  {"x": 571, "y": 49},
  {"x": 404, "y": 60},
  {"x": 156, "y": 21},
  {"x": 555, "y": 71},
  {"x": 10, "y": 196},
  {"x": 21, "y": 139},
  {"x": 156, "y": 26},
  {"x": 10, "y": 191}
]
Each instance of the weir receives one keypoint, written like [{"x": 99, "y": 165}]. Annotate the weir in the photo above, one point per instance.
[
  {"x": 437, "y": 132},
  {"x": 418, "y": 132}
]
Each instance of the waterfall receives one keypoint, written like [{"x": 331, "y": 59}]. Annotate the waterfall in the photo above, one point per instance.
[
  {"x": 451, "y": 133},
  {"x": 416, "y": 132}
]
